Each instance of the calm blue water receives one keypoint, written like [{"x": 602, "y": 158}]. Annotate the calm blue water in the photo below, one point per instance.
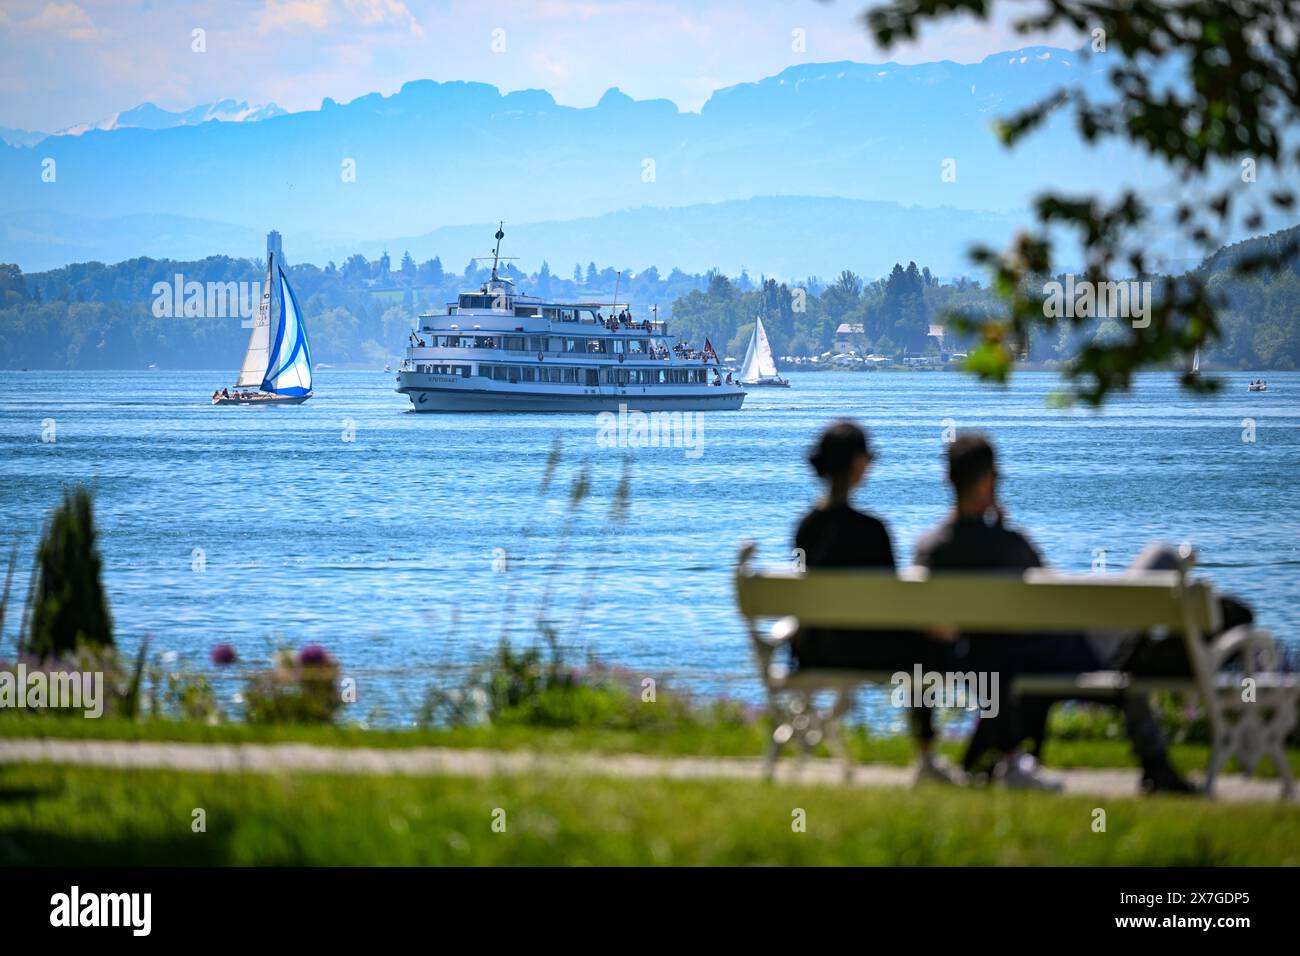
[{"x": 382, "y": 548}]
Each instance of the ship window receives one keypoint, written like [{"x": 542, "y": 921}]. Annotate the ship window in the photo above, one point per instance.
[
  {"x": 571, "y": 376},
  {"x": 514, "y": 343},
  {"x": 592, "y": 377}
]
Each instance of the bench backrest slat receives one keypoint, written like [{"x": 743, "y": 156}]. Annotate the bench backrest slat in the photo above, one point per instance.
[{"x": 1038, "y": 601}]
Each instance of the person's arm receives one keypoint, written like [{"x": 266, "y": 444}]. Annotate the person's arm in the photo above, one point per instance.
[
  {"x": 886, "y": 547},
  {"x": 923, "y": 552},
  {"x": 1029, "y": 558},
  {"x": 924, "y": 558}
]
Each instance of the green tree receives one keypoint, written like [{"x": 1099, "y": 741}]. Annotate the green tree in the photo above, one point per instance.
[
  {"x": 1211, "y": 90},
  {"x": 70, "y": 608}
]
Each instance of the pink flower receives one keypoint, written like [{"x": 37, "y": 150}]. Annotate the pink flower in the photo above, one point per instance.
[
  {"x": 224, "y": 654},
  {"x": 313, "y": 655}
]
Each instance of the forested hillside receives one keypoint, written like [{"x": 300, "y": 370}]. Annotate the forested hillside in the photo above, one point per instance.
[{"x": 92, "y": 315}]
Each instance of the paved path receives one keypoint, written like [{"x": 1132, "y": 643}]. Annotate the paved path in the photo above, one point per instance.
[{"x": 448, "y": 761}]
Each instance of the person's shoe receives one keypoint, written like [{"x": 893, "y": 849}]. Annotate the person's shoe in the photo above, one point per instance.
[
  {"x": 935, "y": 768},
  {"x": 1021, "y": 772},
  {"x": 1159, "y": 776}
]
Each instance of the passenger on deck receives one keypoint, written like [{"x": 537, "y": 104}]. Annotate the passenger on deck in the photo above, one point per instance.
[{"x": 836, "y": 535}]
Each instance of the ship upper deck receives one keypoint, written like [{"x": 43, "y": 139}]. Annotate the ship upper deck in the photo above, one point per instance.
[{"x": 496, "y": 307}]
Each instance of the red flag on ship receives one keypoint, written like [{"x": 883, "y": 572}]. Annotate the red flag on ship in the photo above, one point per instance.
[{"x": 708, "y": 351}]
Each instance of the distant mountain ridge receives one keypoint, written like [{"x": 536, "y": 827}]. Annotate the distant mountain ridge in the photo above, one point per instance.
[
  {"x": 412, "y": 164},
  {"x": 790, "y": 237},
  {"x": 149, "y": 116},
  {"x": 21, "y": 137}
]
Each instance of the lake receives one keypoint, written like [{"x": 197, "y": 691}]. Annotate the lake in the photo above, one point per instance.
[{"x": 409, "y": 544}]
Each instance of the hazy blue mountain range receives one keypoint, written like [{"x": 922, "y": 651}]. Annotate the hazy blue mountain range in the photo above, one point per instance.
[
  {"x": 788, "y": 236},
  {"x": 149, "y": 116},
  {"x": 785, "y": 236},
  {"x": 436, "y": 154},
  {"x": 21, "y": 137}
]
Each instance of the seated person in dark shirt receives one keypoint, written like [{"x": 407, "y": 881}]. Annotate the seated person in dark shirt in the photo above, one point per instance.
[
  {"x": 975, "y": 537},
  {"x": 835, "y": 535}
]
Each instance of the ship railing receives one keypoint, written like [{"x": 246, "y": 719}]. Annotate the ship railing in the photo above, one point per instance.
[
  {"x": 652, "y": 326},
  {"x": 464, "y": 351}
]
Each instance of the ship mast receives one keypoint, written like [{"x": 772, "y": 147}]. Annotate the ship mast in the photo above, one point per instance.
[{"x": 496, "y": 253}]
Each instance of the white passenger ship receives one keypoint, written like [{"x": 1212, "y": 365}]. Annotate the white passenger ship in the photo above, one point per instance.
[{"x": 497, "y": 350}]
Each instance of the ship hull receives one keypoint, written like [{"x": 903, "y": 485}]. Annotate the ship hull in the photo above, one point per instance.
[
  {"x": 435, "y": 398},
  {"x": 263, "y": 400}
]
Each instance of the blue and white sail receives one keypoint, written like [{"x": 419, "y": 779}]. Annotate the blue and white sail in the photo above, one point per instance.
[{"x": 289, "y": 371}]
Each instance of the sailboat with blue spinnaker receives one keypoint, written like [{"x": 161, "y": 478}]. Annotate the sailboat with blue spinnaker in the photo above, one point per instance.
[{"x": 280, "y": 372}]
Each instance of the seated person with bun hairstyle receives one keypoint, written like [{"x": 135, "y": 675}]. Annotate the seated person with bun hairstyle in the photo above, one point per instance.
[{"x": 836, "y": 535}]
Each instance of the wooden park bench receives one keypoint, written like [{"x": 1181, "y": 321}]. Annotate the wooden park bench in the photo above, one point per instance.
[{"x": 1251, "y": 708}]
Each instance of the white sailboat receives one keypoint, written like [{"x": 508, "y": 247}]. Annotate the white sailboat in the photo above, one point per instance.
[
  {"x": 1196, "y": 361},
  {"x": 759, "y": 368},
  {"x": 281, "y": 373}
]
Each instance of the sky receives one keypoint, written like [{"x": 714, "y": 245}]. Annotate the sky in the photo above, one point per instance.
[{"x": 66, "y": 63}]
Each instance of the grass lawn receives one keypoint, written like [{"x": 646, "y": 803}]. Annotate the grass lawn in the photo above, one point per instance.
[
  {"x": 714, "y": 741},
  {"x": 88, "y": 816}
]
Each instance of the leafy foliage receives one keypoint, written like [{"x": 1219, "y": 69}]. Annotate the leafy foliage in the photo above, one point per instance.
[
  {"x": 1202, "y": 86},
  {"x": 70, "y": 610},
  {"x": 297, "y": 689}
]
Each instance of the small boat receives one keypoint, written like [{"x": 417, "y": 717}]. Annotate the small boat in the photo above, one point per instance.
[
  {"x": 1196, "y": 361},
  {"x": 1259, "y": 385},
  {"x": 281, "y": 373},
  {"x": 388, "y": 368},
  {"x": 759, "y": 368}
]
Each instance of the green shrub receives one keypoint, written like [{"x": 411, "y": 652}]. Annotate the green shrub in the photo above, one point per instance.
[
  {"x": 298, "y": 689},
  {"x": 70, "y": 609},
  {"x": 521, "y": 688}
]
